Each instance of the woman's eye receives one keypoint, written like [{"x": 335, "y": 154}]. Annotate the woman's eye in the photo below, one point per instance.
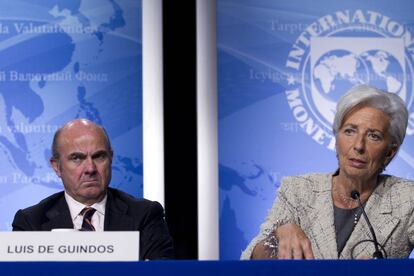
[
  {"x": 374, "y": 136},
  {"x": 349, "y": 131}
]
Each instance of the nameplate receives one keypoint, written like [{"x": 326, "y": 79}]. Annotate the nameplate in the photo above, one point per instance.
[{"x": 69, "y": 245}]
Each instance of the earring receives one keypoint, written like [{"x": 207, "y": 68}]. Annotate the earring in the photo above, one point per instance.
[{"x": 382, "y": 168}]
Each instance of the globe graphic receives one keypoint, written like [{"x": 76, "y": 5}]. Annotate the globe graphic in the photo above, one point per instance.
[
  {"x": 385, "y": 72},
  {"x": 337, "y": 71}
]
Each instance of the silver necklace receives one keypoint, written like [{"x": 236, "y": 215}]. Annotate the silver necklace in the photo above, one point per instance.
[{"x": 349, "y": 202}]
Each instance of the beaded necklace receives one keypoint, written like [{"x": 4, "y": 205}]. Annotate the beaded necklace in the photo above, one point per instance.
[{"x": 349, "y": 202}]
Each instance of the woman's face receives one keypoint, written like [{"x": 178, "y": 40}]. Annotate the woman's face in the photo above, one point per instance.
[{"x": 363, "y": 143}]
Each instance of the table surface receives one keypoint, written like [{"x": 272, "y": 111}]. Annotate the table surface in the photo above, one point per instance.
[{"x": 199, "y": 268}]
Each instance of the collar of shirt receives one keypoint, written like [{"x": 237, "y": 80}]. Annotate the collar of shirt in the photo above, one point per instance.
[{"x": 75, "y": 207}]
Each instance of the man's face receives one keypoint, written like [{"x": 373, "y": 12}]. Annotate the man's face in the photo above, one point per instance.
[{"x": 84, "y": 163}]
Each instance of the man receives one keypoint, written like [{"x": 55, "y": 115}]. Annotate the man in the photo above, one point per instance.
[{"x": 82, "y": 158}]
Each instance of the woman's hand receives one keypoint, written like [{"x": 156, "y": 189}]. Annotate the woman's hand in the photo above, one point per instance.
[
  {"x": 293, "y": 243},
  {"x": 286, "y": 242},
  {"x": 267, "y": 248},
  {"x": 262, "y": 251}
]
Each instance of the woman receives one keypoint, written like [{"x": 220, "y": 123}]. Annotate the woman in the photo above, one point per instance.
[{"x": 318, "y": 215}]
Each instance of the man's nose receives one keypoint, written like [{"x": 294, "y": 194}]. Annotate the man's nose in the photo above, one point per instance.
[{"x": 90, "y": 166}]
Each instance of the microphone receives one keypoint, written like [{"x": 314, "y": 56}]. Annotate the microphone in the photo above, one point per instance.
[{"x": 377, "y": 254}]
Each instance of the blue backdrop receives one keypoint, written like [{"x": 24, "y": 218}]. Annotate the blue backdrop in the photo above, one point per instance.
[
  {"x": 60, "y": 60},
  {"x": 282, "y": 66}
]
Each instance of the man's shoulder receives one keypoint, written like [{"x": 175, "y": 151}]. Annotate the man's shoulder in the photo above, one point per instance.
[
  {"x": 44, "y": 204},
  {"x": 134, "y": 204}
]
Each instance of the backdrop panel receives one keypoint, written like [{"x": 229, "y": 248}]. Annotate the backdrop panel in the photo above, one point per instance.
[
  {"x": 282, "y": 66},
  {"x": 62, "y": 60}
]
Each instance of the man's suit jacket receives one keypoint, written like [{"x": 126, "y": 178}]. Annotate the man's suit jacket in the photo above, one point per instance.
[
  {"x": 122, "y": 213},
  {"x": 307, "y": 201}
]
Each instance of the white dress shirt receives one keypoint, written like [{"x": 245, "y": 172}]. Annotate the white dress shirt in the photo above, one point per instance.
[{"x": 76, "y": 207}]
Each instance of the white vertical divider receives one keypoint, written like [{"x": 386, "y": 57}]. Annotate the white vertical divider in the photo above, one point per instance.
[
  {"x": 152, "y": 109},
  {"x": 207, "y": 133}
]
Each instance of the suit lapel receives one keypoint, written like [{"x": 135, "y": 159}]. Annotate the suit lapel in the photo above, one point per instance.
[
  {"x": 116, "y": 217},
  {"x": 58, "y": 216},
  {"x": 322, "y": 221},
  {"x": 379, "y": 212}
]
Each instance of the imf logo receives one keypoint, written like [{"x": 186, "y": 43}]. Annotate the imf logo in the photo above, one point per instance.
[{"x": 340, "y": 51}]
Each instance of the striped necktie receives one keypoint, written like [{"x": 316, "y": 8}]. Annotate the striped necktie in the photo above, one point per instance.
[{"x": 87, "y": 214}]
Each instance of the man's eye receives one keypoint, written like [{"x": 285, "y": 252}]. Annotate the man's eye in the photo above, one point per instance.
[
  {"x": 101, "y": 156},
  {"x": 75, "y": 158}
]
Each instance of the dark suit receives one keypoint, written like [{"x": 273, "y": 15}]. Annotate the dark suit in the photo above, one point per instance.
[{"x": 122, "y": 213}]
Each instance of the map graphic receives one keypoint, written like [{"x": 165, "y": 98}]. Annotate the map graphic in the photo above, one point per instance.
[
  {"x": 62, "y": 60},
  {"x": 340, "y": 69}
]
